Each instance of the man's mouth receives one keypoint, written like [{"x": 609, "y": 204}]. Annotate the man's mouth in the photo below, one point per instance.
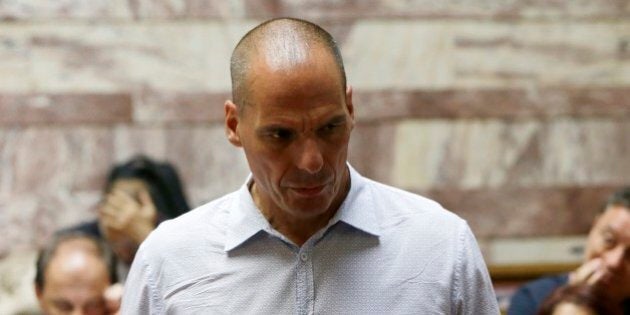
[{"x": 310, "y": 191}]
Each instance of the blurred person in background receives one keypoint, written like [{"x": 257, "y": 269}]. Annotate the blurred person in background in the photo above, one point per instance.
[
  {"x": 139, "y": 194},
  {"x": 606, "y": 267},
  {"x": 577, "y": 300},
  {"x": 75, "y": 275}
]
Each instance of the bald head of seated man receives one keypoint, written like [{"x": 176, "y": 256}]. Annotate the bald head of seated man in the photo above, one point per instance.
[{"x": 74, "y": 271}]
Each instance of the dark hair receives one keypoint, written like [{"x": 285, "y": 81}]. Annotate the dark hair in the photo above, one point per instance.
[
  {"x": 619, "y": 198},
  {"x": 579, "y": 295},
  {"x": 47, "y": 253},
  {"x": 161, "y": 179},
  {"x": 242, "y": 53}
]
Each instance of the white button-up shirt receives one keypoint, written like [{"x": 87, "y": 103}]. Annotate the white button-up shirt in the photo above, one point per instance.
[{"x": 386, "y": 251}]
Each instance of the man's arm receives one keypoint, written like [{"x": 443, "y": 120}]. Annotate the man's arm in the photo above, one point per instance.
[{"x": 474, "y": 292}]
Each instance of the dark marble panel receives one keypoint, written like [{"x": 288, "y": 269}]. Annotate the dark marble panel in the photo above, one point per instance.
[
  {"x": 164, "y": 107},
  {"x": 497, "y": 103},
  {"x": 527, "y": 211},
  {"x": 19, "y": 109}
]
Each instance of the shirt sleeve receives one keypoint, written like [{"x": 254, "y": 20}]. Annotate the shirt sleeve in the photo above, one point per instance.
[
  {"x": 473, "y": 288},
  {"x": 140, "y": 295}
]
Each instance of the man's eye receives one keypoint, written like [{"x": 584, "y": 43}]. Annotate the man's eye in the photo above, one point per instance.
[
  {"x": 609, "y": 242},
  {"x": 62, "y": 306},
  {"x": 281, "y": 134},
  {"x": 329, "y": 128}
]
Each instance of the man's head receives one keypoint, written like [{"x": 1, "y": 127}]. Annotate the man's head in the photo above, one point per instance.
[
  {"x": 292, "y": 114},
  {"x": 72, "y": 273},
  {"x": 609, "y": 241},
  {"x": 283, "y": 43}
]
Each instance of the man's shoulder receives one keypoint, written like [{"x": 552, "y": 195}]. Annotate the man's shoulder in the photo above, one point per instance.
[
  {"x": 203, "y": 225},
  {"x": 396, "y": 200}
]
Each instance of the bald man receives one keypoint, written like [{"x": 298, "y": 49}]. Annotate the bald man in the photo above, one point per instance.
[
  {"x": 306, "y": 233},
  {"x": 73, "y": 276}
]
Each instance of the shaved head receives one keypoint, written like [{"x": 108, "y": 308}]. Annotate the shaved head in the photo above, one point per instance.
[{"x": 281, "y": 44}]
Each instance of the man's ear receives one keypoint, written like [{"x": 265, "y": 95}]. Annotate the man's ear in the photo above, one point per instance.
[
  {"x": 231, "y": 123},
  {"x": 349, "y": 104}
]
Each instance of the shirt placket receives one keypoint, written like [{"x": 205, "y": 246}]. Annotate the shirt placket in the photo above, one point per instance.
[{"x": 305, "y": 294}]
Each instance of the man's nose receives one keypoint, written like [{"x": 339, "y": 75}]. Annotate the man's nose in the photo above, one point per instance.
[
  {"x": 310, "y": 156},
  {"x": 613, "y": 259}
]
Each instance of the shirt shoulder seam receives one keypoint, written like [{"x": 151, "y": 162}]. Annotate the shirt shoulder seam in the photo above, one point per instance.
[
  {"x": 459, "y": 264},
  {"x": 153, "y": 292}
]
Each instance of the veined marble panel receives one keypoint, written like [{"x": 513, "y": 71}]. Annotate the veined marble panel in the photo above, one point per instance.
[
  {"x": 78, "y": 9},
  {"x": 379, "y": 54},
  {"x": 495, "y": 153},
  {"x": 8, "y": 138},
  {"x": 370, "y": 150},
  {"x": 28, "y": 220},
  {"x": 48, "y": 159},
  {"x": 208, "y": 163},
  {"x": 328, "y": 9},
  {"x": 130, "y": 140},
  {"x": 15, "y": 61},
  {"x": 436, "y": 54},
  {"x": 118, "y": 9},
  {"x": 119, "y": 57}
]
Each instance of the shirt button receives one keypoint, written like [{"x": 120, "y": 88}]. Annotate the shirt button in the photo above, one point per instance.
[{"x": 304, "y": 257}]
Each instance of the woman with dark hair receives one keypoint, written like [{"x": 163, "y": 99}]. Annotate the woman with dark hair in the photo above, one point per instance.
[
  {"x": 577, "y": 300},
  {"x": 139, "y": 194}
]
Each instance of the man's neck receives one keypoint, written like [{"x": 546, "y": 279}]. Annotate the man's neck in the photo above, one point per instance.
[{"x": 296, "y": 229}]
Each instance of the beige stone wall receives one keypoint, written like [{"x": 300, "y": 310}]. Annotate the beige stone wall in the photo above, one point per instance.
[{"x": 513, "y": 114}]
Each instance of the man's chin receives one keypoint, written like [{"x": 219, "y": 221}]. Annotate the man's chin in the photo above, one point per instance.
[{"x": 307, "y": 209}]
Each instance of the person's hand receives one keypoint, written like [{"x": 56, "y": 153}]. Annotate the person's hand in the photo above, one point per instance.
[
  {"x": 125, "y": 215},
  {"x": 113, "y": 297},
  {"x": 590, "y": 273}
]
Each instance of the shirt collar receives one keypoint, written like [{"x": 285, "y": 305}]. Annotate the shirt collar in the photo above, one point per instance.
[
  {"x": 357, "y": 210},
  {"x": 245, "y": 220}
]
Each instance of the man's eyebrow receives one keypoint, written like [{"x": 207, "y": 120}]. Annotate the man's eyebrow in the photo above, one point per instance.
[
  {"x": 341, "y": 118},
  {"x": 609, "y": 229},
  {"x": 272, "y": 128}
]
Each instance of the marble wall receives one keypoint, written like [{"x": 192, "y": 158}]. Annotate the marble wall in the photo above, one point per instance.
[{"x": 513, "y": 114}]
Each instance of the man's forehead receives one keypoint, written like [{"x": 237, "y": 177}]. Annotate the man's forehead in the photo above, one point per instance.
[
  {"x": 284, "y": 51},
  {"x": 617, "y": 220},
  {"x": 295, "y": 117}
]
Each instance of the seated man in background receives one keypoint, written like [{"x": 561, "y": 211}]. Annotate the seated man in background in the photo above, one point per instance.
[
  {"x": 74, "y": 275},
  {"x": 606, "y": 267}
]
